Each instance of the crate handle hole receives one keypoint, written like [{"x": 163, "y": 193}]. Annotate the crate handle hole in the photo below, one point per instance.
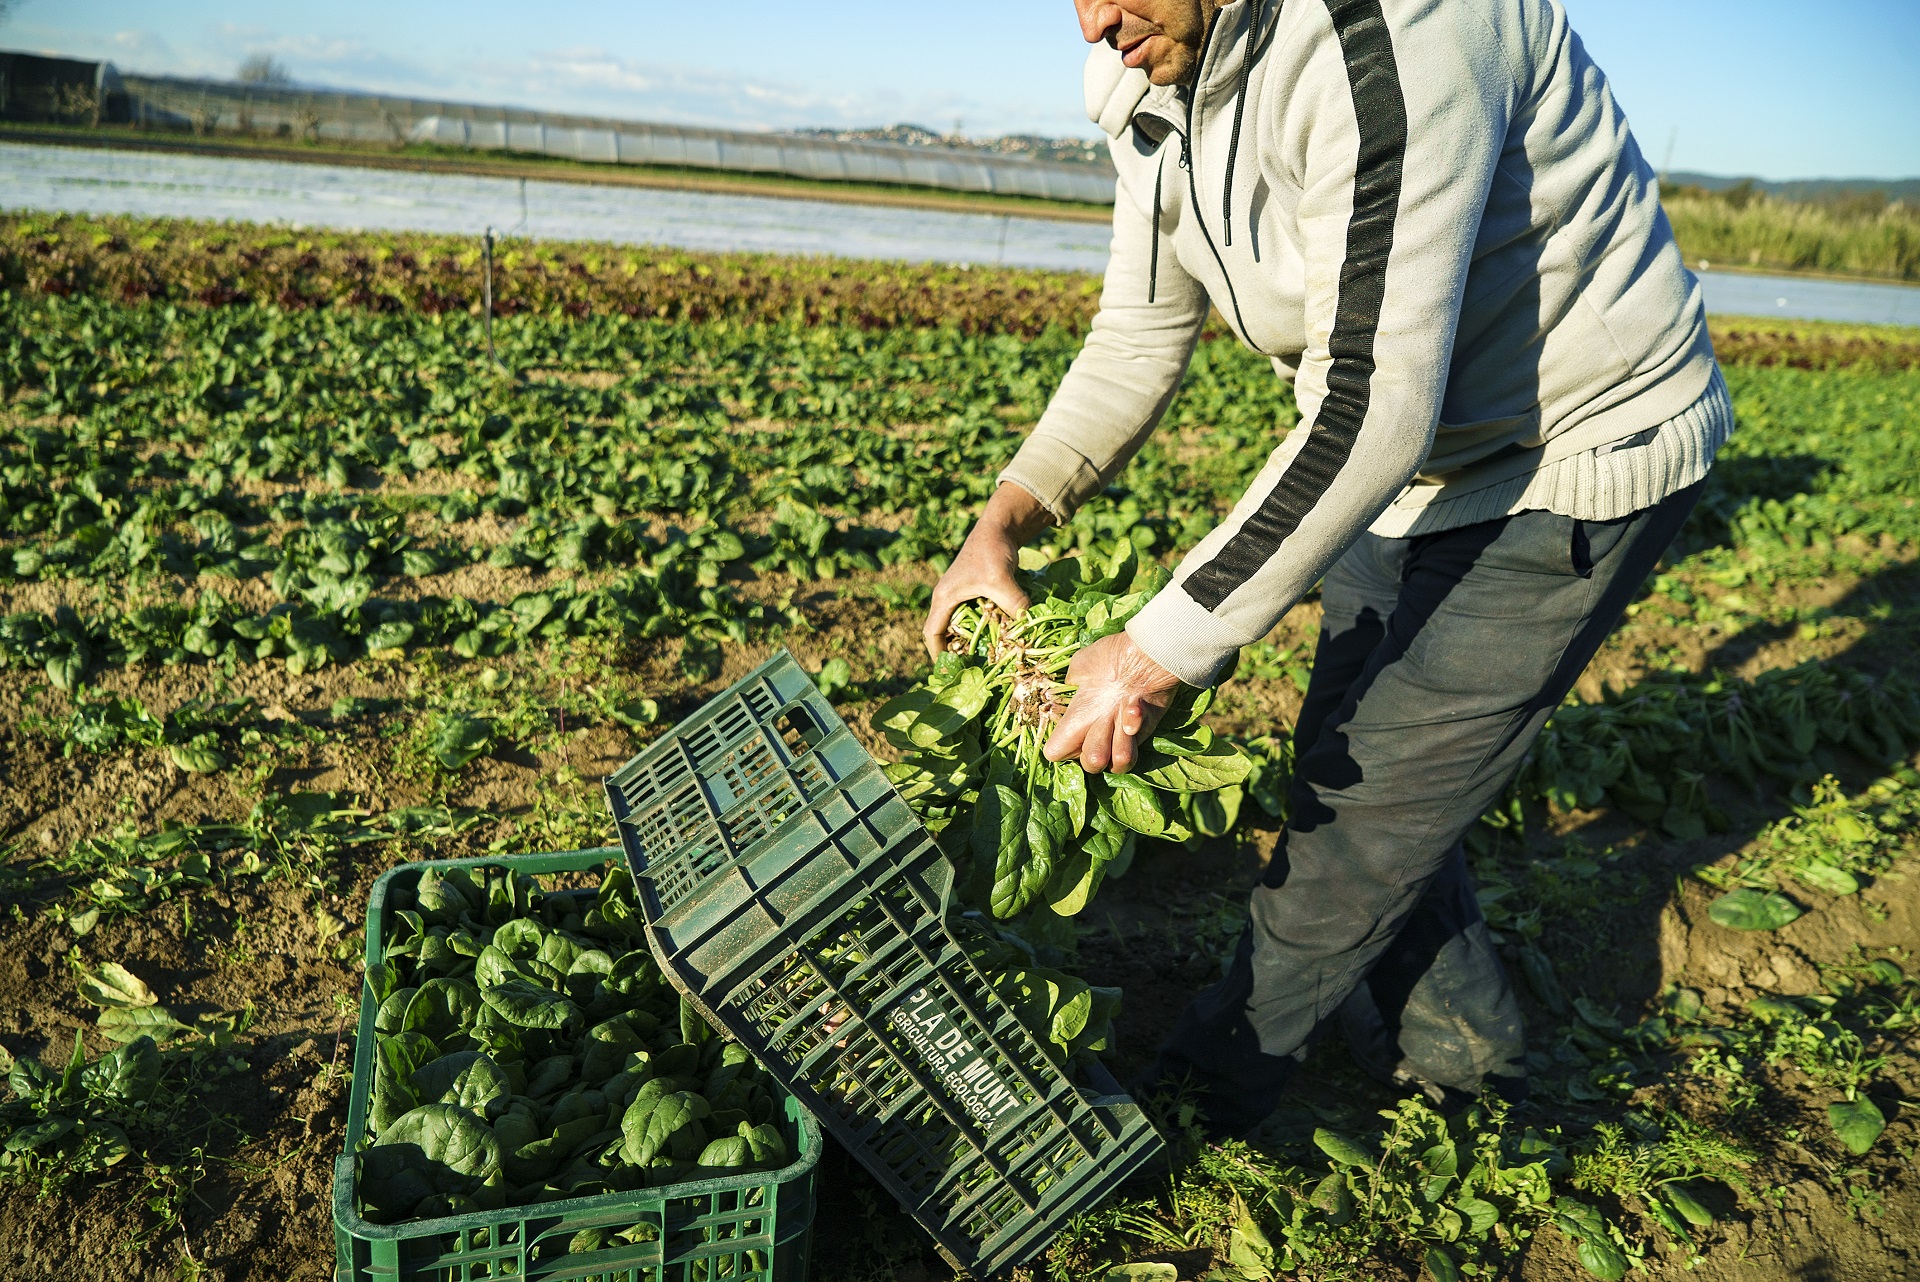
[{"x": 800, "y": 732}]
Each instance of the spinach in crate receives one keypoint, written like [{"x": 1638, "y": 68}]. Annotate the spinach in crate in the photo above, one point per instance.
[{"x": 528, "y": 1051}]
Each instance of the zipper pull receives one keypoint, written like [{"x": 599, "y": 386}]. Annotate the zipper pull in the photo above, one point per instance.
[{"x": 1185, "y": 156}]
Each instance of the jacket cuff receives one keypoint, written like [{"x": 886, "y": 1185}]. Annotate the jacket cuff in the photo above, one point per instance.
[
  {"x": 1055, "y": 473},
  {"x": 1179, "y": 634}
]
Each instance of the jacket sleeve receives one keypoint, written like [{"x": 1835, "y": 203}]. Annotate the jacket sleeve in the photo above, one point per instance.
[
  {"x": 1131, "y": 364},
  {"x": 1388, "y": 217}
]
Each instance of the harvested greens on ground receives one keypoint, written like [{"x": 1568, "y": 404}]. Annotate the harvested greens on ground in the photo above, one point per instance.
[
  {"x": 529, "y": 1050},
  {"x": 1031, "y": 833}
]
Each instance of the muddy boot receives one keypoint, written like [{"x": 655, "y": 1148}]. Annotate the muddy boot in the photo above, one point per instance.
[{"x": 1434, "y": 1051}]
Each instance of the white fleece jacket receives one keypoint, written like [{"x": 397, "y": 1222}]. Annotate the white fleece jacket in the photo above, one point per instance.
[{"x": 1432, "y": 216}]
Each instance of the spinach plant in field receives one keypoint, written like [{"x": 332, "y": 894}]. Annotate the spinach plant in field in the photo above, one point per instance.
[
  {"x": 80, "y": 1115},
  {"x": 1457, "y": 1193},
  {"x": 77, "y": 1115}
]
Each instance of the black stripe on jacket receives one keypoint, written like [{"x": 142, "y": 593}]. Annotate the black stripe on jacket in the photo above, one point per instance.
[{"x": 1381, "y": 112}]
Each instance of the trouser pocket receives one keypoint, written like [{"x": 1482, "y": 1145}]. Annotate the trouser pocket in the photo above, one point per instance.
[
  {"x": 1532, "y": 542},
  {"x": 1592, "y": 542}
]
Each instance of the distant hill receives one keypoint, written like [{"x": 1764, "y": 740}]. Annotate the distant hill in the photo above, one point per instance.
[{"x": 1819, "y": 189}]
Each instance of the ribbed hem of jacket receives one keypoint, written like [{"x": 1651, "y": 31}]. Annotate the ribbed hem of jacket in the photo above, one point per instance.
[
  {"x": 1185, "y": 638},
  {"x": 1589, "y": 486}
]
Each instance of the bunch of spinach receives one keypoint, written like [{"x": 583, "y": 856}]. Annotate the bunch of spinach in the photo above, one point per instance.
[
  {"x": 1033, "y": 832},
  {"x": 528, "y": 1051}
]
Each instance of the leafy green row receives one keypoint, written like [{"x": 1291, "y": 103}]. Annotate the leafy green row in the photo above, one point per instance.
[
  {"x": 93, "y": 1113},
  {"x": 1464, "y": 1191},
  {"x": 1649, "y": 752},
  {"x": 331, "y": 399},
  {"x": 160, "y": 478},
  {"x": 66, "y": 645}
]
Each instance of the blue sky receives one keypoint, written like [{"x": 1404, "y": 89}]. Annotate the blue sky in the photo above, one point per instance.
[{"x": 1781, "y": 90}]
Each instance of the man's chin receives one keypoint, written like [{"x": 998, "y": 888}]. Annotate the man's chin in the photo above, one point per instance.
[{"x": 1170, "y": 70}]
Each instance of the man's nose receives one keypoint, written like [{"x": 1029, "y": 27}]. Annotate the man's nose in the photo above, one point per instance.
[{"x": 1098, "y": 18}]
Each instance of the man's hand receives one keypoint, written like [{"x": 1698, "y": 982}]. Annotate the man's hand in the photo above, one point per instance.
[
  {"x": 986, "y": 562},
  {"x": 1120, "y": 697}
]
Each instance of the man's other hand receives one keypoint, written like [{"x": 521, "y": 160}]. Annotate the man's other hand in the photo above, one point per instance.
[
  {"x": 1119, "y": 698},
  {"x": 986, "y": 563}
]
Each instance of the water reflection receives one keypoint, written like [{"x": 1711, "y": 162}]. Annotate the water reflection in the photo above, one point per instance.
[
  {"x": 83, "y": 180},
  {"x": 1808, "y": 298}
]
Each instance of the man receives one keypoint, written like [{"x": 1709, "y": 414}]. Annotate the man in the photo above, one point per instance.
[{"x": 1432, "y": 216}]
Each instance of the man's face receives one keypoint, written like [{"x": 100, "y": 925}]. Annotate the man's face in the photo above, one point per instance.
[{"x": 1162, "y": 37}]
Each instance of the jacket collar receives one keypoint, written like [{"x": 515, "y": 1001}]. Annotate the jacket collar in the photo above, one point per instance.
[{"x": 1114, "y": 90}]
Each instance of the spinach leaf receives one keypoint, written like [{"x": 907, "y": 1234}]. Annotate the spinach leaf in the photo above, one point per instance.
[
  {"x": 396, "y": 1059},
  {"x": 1218, "y": 766},
  {"x": 493, "y": 967},
  {"x": 1749, "y": 909},
  {"x": 442, "y": 1009},
  {"x": 443, "y": 896},
  {"x": 608, "y": 1044},
  {"x": 765, "y": 1143},
  {"x": 1070, "y": 786},
  {"x": 558, "y": 951},
  {"x": 434, "y": 1149},
  {"x": 465, "y": 1079},
  {"x": 1007, "y": 852},
  {"x": 1190, "y": 741},
  {"x": 967, "y": 696},
  {"x": 673, "y": 1128},
  {"x": 1076, "y": 875},
  {"x": 549, "y": 1075},
  {"x": 131, "y": 1073},
  {"x": 457, "y": 739},
  {"x": 726, "y": 1153},
  {"x": 125, "y": 1024},
  {"x": 520, "y": 939},
  {"x": 1213, "y": 814},
  {"x": 1136, "y": 805},
  {"x": 525, "y": 1004},
  {"x": 380, "y": 982},
  {"x": 113, "y": 986},
  {"x": 392, "y": 1015}
]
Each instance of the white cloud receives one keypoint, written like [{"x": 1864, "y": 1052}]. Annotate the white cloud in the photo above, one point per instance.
[
  {"x": 141, "y": 44},
  {"x": 598, "y": 82}
]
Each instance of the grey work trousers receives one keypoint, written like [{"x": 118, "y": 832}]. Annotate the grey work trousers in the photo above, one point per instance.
[{"x": 1440, "y": 659}]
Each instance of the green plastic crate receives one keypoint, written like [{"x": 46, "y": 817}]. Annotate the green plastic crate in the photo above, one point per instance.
[
  {"x": 794, "y": 896},
  {"x": 752, "y": 1227}
]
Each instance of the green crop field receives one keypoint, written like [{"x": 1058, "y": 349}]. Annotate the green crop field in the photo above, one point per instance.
[{"x": 296, "y": 585}]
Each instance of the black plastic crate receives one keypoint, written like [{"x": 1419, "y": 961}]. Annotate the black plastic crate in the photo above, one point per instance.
[{"x": 796, "y": 898}]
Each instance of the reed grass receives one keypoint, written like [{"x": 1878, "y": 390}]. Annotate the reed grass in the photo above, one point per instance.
[{"x": 1855, "y": 236}]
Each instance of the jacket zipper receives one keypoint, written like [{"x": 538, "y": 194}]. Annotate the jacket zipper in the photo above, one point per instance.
[{"x": 1189, "y": 163}]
